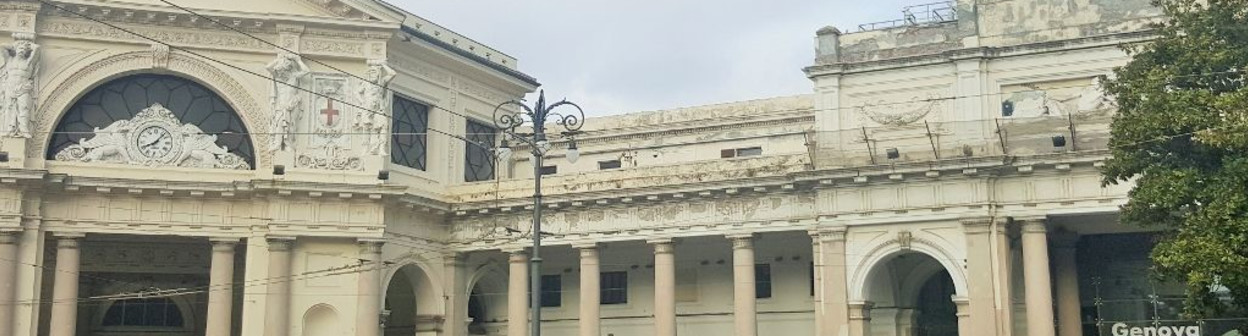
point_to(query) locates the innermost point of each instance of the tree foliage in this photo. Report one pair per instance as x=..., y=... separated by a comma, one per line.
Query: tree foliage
x=1181, y=134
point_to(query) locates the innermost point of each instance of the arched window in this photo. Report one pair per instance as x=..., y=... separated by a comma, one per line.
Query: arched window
x=154, y=312
x=123, y=98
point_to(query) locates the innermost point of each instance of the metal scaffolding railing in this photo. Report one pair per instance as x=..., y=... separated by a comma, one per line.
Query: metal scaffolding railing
x=935, y=12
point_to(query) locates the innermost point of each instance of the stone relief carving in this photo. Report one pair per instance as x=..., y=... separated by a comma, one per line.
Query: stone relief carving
x=17, y=85
x=373, y=96
x=288, y=71
x=169, y=35
x=160, y=56
x=890, y=114
x=154, y=137
x=1039, y=100
x=330, y=139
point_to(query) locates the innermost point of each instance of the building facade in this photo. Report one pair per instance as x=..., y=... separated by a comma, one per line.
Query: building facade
x=326, y=167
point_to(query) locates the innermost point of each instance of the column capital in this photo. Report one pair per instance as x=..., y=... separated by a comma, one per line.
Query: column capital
x=662, y=245
x=586, y=245
x=1033, y=224
x=829, y=234
x=860, y=310
x=69, y=235
x=370, y=245
x=223, y=240
x=518, y=257
x=973, y=225
x=963, y=305
x=280, y=243
x=69, y=241
x=8, y=237
x=223, y=244
x=742, y=241
x=513, y=249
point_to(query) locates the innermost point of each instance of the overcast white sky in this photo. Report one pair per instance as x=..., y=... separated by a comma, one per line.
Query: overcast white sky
x=624, y=56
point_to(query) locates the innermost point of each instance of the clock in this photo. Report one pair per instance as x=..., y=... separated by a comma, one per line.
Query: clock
x=154, y=142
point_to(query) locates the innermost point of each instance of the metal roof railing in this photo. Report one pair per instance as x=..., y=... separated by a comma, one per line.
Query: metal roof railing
x=935, y=12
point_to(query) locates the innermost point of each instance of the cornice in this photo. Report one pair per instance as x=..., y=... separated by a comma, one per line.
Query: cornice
x=804, y=181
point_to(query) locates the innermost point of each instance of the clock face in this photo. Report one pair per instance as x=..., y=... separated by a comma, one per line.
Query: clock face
x=154, y=142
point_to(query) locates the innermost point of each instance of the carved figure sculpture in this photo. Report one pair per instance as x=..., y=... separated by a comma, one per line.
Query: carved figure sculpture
x=372, y=96
x=17, y=85
x=154, y=137
x=287, y=70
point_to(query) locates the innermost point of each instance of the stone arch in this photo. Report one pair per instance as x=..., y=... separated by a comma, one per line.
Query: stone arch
x=74, y=84
x=321, y=320
x=486, y=301
x=410, y=296
x=885, y=251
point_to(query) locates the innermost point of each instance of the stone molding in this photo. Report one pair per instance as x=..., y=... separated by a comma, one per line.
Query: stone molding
x=280, y=244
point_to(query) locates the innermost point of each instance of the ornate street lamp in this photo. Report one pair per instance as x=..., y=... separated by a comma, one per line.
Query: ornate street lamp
x=537, y=116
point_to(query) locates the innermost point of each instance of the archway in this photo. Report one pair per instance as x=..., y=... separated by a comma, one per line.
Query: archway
x=911, y=295
x=127, y=100
x=410, y=302
x=321, y=320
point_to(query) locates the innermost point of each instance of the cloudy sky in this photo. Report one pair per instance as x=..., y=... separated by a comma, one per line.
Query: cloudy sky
x=625, y=56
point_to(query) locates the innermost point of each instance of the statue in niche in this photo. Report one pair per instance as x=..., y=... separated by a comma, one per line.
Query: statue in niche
x=17, y=85
x=287, y=70
x=372, y=95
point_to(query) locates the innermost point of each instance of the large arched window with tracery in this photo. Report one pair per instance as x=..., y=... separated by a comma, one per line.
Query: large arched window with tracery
x=122, y=99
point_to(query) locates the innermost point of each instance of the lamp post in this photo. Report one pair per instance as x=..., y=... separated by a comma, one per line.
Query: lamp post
x=537, y=116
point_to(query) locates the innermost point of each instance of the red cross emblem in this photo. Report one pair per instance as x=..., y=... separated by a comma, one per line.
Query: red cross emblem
x=330, y=113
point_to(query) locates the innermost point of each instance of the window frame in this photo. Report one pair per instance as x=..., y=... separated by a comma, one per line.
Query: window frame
x=610, y=165
x=762, y=281
x=617, y=295
x=552, y=296
x=399, y=152
x=487, y=168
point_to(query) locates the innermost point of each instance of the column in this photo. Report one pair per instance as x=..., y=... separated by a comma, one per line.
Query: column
x=590, y=291
x=277, y=306
x=221, y=294
x=1039, y=293
x=963, y=305
x=65, y=288
x=457, y=294
x=744, y=301
x=517, y=294
x=368, y=287
x=664, y=287
x=8, y=280
x=1069, y=316
x=981, y=271
x=830, y=283
x=859, y=318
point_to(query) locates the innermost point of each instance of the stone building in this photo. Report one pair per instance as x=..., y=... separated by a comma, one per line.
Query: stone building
x=226, y=171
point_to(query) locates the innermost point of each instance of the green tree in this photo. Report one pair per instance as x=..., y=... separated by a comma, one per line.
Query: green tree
x=1181, y=134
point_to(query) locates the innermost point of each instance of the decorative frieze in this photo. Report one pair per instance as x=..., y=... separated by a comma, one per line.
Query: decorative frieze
x=154, y=137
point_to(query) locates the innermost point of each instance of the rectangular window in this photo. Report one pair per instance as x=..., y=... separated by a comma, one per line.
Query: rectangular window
x=611, y=164
x=550, y=170
x=752, y=151
x=762, y=281
x=552, y=290
x=409, y=138
x=479, y=152
x=740, y=152
x=614, y=288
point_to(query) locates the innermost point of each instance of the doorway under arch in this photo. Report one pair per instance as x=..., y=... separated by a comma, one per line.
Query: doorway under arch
x=912, y=295
x=409, y=296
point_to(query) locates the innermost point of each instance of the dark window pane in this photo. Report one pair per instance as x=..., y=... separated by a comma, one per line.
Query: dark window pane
x=752, y=151
x=762, y=281
x=478, y=155
x=550, y=170
x=614, y=287
x=158, y=312
x=409, y=138
x=612, y=164
x=727, y=153
x=552, y=290
x=122, y=98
